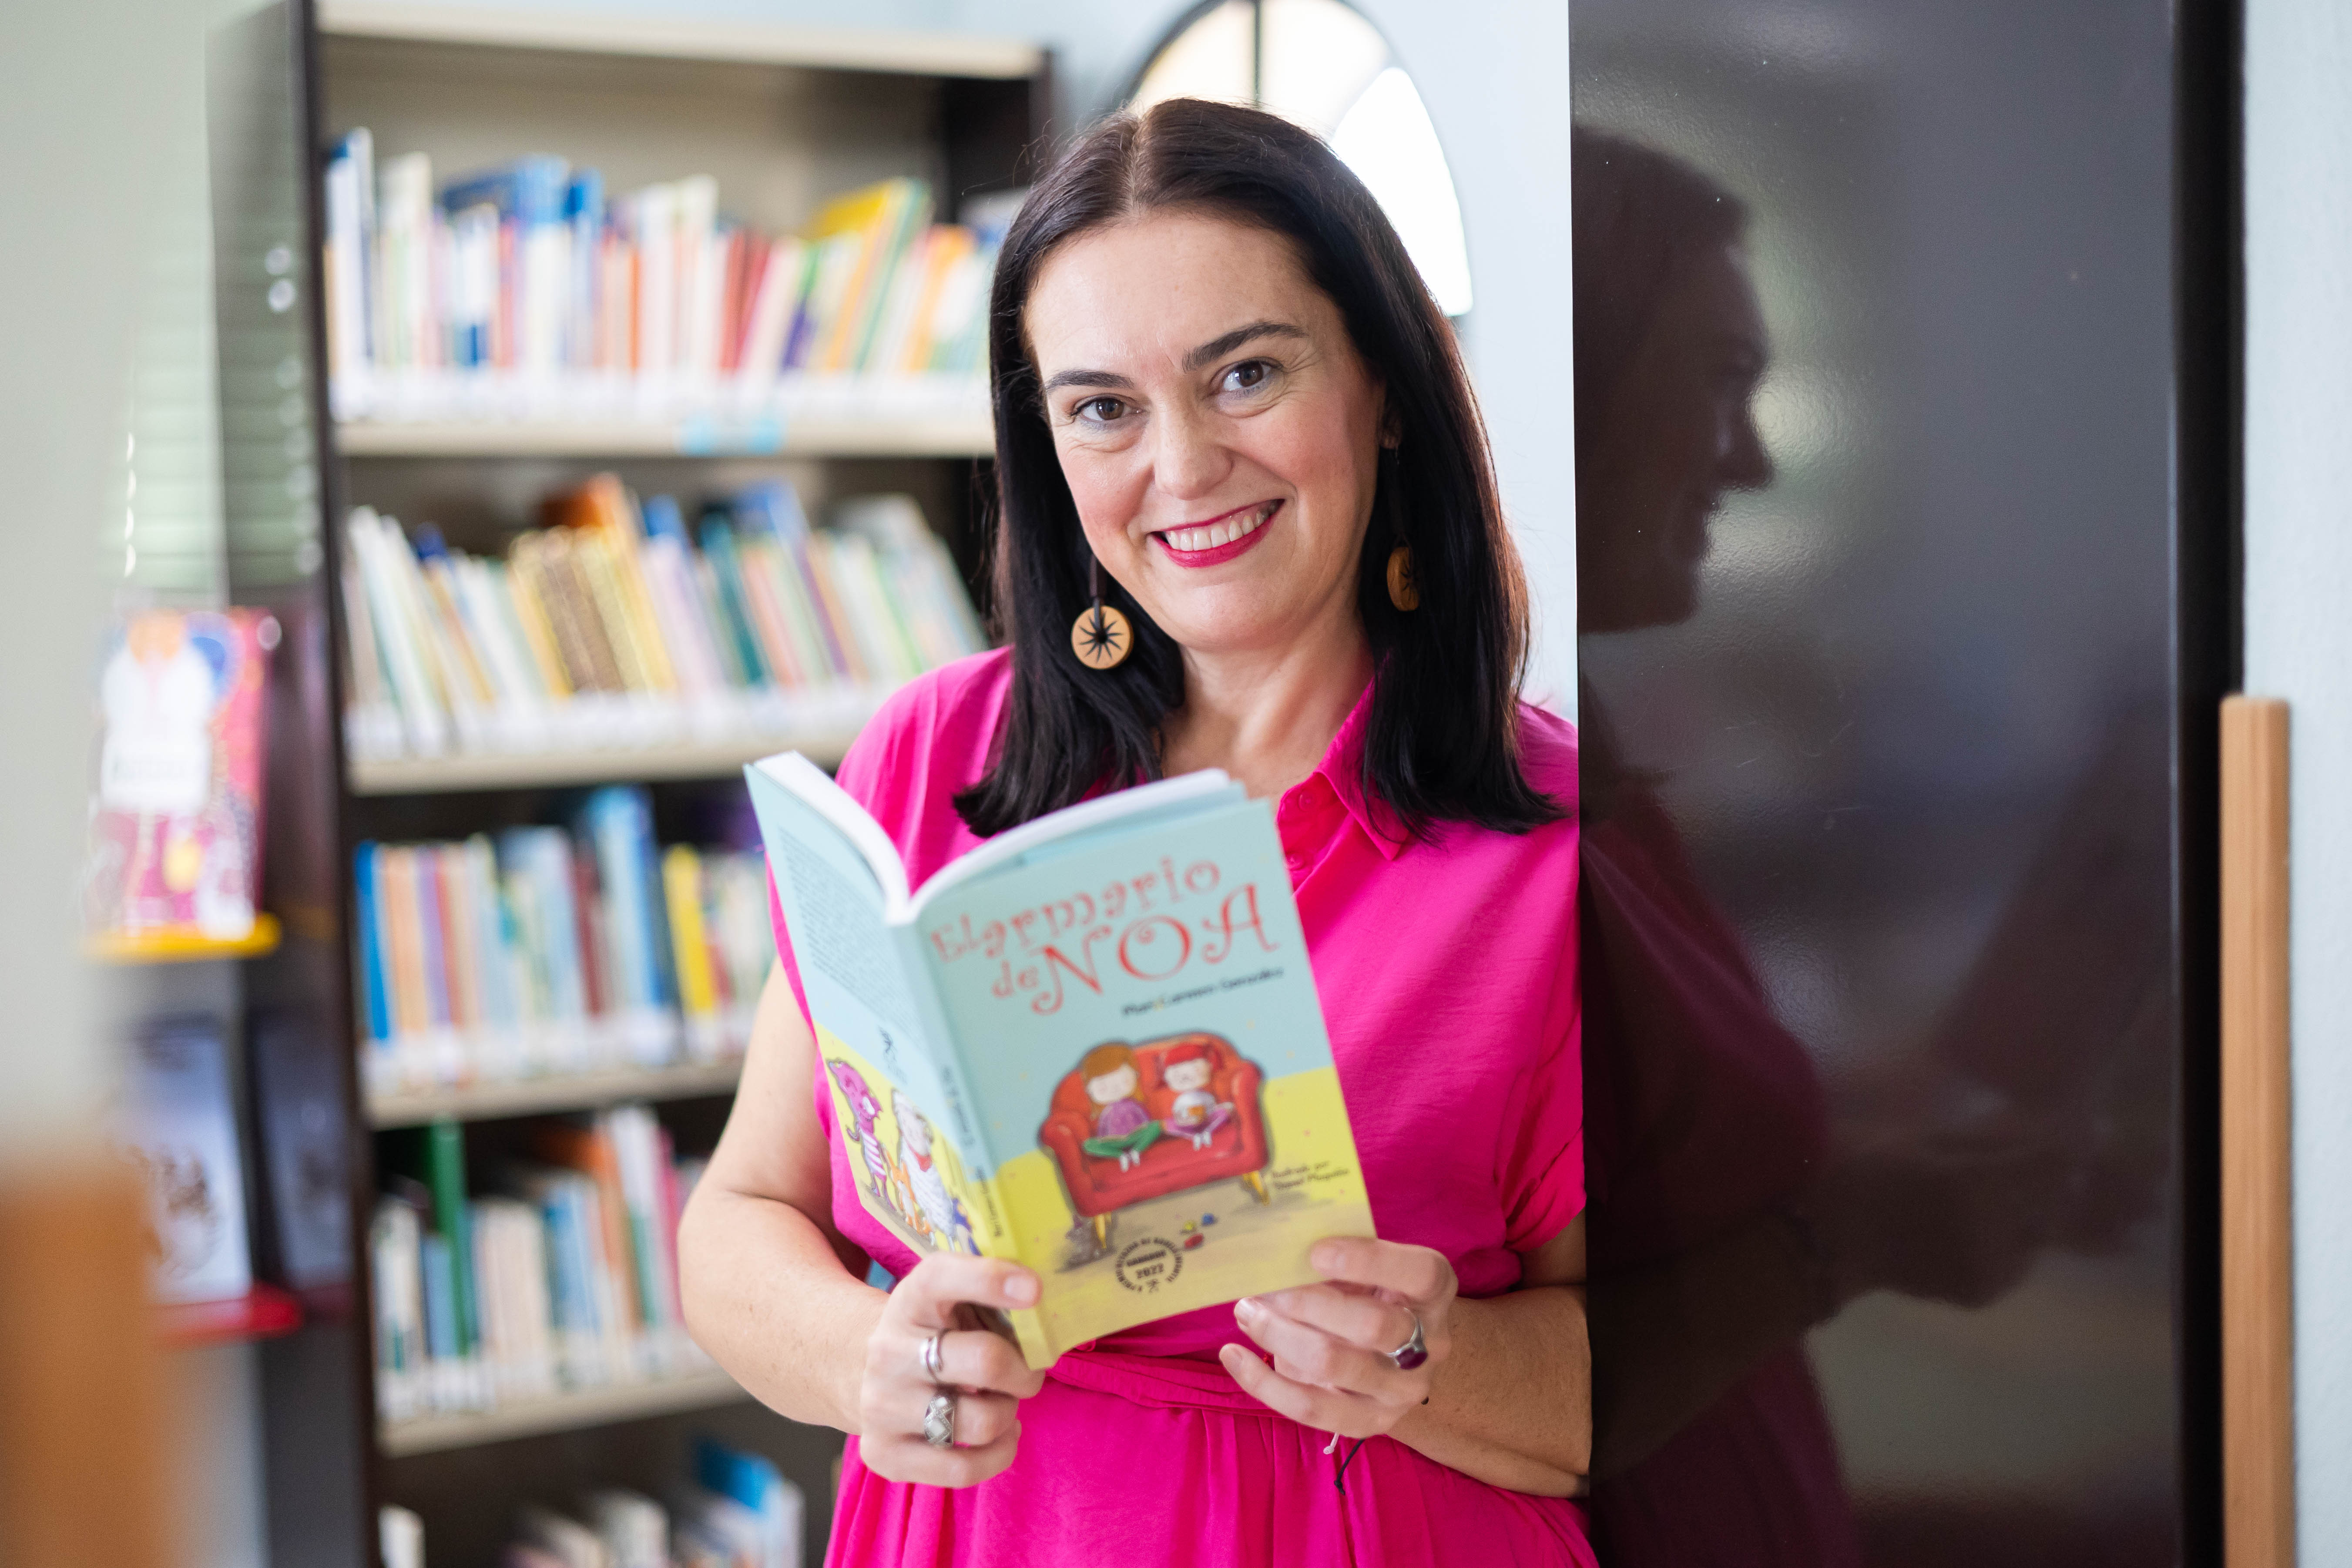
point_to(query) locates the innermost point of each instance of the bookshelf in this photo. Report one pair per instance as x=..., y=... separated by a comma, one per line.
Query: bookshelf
x=782, y=117
x=576, y=1411
x=556, y=770
x=552, y=1093
x=955, y=434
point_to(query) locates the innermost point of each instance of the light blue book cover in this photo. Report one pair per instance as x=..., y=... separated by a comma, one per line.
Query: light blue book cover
x=1093, y=1043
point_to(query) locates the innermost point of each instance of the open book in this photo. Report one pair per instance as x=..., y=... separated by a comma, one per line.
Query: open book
x=1092, y=1044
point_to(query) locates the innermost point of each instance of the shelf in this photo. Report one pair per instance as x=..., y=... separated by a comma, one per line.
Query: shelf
x=906, y=52
x=182, y=946
x=528, y=769
x=263, y=1313
x=566, y=1091
x=564, y=1412
x=949, y=435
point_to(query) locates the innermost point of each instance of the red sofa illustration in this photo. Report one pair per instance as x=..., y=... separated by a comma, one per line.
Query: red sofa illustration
x=1099, y=1186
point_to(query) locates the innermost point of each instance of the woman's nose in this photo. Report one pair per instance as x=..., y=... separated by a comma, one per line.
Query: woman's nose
x=1745, y=464
x=1190, y=461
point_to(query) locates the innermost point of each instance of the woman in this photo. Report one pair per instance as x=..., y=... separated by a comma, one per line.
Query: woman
x=1227, y=405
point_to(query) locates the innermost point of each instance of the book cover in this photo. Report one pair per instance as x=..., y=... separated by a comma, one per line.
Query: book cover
x=1092, y=1044
x=178, y=1126
x=175, y=827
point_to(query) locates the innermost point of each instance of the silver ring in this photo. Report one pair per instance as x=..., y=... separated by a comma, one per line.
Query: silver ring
x=932, y=1357
x=939, y=1421
x=1414, y=1350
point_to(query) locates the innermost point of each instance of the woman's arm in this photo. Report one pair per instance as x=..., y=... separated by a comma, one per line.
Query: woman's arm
x=1506, y=1395
x=769, y=1290
x=766, y=1279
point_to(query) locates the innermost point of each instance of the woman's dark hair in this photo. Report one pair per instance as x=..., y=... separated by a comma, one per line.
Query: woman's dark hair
x=1441, y=742
x=1638, y=216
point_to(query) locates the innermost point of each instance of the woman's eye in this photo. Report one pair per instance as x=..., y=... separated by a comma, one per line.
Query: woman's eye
x=1248, y=376
x=1099, y=410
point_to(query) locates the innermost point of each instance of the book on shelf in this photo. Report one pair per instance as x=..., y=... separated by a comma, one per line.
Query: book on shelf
x=739, y=1511
x=547, y=950
x=177, y=1125
x=563, y=1276
x=525, y=290
x=175, y=823
x=610, y=627
x=1092, y=1044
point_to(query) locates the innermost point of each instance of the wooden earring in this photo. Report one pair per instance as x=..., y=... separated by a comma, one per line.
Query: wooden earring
x=1404, y=592
x=1100, y=636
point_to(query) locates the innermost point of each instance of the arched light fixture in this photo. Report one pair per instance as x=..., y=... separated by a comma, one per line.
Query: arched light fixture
x=1319, y=64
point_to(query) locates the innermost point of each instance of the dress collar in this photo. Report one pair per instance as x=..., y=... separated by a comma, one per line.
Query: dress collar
x=1342, y=770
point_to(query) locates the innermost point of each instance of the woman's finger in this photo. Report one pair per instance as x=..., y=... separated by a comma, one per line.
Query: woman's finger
x=1310, y=1355
x=912, y=1460
x=1327, y=1410
x=1416, y=1273
x=982, y=1420
x=1366, y=1320
x=926, y=1299
x=976, y=1358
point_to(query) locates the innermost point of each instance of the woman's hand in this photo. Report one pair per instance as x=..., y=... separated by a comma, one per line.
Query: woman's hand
x=982, y=1370
x=1331, y=1343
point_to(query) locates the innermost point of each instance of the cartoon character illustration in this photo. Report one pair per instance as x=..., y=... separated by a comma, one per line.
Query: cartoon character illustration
x=942, y=1217
x=1195, y=1113
x=1123, y=1129
x=868, y=1112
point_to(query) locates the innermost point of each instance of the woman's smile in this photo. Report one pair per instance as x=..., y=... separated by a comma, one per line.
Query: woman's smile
x=1221, y=538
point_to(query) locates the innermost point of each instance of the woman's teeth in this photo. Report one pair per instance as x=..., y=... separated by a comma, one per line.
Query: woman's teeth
x=1210, y=535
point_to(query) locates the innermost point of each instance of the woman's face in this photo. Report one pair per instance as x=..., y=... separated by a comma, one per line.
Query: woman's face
x=1677, y=435
x=1218, y=434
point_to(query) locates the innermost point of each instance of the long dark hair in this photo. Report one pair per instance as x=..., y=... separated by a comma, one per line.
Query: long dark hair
x=1441, y=742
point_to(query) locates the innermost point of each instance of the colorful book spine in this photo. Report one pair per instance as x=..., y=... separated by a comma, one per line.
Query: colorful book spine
x=550, y=951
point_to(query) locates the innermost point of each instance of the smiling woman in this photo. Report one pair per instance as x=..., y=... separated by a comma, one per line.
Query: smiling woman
x=1228, y=409
x=1208, y=343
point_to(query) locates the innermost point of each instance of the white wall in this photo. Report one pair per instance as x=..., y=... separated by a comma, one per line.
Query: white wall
x=2299, y=646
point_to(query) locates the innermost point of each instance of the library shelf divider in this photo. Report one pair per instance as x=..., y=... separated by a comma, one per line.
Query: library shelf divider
x=571, y=1411
x=551, y=1092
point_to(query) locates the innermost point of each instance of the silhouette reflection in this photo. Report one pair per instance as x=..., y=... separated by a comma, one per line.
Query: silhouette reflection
x=1744, y=1188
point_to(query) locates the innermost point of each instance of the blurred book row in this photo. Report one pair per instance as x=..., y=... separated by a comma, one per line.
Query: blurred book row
x=548, y=950
x=610, y=628
x=736, y=1510
x=565, y=1277
x=526, y=291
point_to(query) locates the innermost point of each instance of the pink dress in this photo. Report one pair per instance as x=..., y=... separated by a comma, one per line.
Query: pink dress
x=1448, y=977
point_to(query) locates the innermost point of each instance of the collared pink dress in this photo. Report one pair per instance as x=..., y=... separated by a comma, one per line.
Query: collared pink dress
x=1449, y=983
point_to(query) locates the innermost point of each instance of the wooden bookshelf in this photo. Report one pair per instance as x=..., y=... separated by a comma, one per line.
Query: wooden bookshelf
x=184, y=947
x=552, y=1093
x=782, y=117
x=894, y=51
x=568, y=1412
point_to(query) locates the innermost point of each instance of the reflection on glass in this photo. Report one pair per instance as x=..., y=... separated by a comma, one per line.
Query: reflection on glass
x=1805, y=1162
x=1319, y=64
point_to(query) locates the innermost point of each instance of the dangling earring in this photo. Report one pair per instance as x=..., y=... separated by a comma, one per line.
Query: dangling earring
x=1100, y=636
x=1404, y=591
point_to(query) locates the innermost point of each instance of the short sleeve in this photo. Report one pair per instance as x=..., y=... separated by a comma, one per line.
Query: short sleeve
x=1542, y=1177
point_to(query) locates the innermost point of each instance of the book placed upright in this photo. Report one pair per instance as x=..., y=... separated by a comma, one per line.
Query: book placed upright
x=1092, y=1044
x=175, y=830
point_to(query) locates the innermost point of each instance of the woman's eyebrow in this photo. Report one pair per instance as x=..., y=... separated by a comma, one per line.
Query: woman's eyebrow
x=1215, y=348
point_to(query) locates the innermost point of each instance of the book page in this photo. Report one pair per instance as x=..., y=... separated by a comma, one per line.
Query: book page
x=858, y=995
